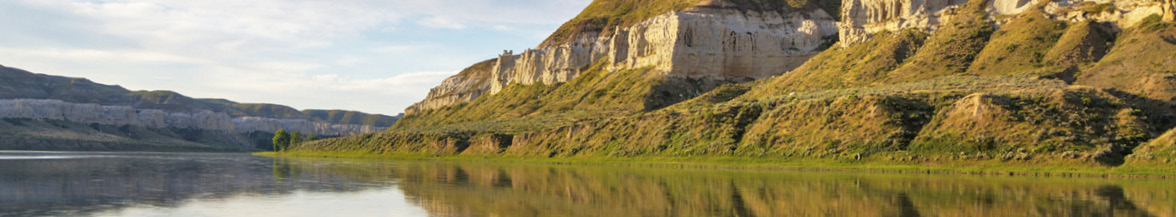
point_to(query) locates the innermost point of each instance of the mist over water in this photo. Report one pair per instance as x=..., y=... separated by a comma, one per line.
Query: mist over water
x=229, y=184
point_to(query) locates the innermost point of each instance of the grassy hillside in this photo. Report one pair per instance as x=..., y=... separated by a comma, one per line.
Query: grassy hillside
x=595, y=93
x=1020, y=46
x=1037, y=93
x=1142, y=62
x=863, y=64
x=952, y=49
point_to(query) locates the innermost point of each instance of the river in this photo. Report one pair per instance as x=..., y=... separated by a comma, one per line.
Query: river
x=236, y=184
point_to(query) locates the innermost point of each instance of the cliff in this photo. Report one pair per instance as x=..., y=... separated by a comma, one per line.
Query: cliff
x=706, y=39
x=466, y=86
x=112, y=115
x=747, y=39
x=1074, y=84
x=44, y=112
x=20, y=84
x=154, y=118
x=863, y=18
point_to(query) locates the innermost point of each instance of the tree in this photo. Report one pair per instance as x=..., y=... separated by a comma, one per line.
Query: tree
x=281, y=139
x=295, y=138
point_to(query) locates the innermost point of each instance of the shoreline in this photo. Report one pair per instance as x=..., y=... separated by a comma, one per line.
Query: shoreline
x=956, y=167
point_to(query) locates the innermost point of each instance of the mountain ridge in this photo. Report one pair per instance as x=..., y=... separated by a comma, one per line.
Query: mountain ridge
x=21, y=84
x=44, y=112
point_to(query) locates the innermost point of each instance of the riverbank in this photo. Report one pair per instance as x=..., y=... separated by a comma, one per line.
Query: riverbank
x=961, y=167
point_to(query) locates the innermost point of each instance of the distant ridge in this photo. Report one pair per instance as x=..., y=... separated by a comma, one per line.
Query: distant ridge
x=20, y=84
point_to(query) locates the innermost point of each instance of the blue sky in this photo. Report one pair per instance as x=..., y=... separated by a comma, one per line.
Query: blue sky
x=376, y=56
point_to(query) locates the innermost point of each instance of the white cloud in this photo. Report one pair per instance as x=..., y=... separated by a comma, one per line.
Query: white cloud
x=399, y=49
x=345, y=54
x=141, y=56
x=441, y=23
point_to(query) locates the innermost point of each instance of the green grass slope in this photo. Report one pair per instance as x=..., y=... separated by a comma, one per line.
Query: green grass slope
x=1020, y=46
x=1142, y=62
x=952, y=49
x=1160, y=151
x=1083, y=43
x=859, y=65
x=596, y=92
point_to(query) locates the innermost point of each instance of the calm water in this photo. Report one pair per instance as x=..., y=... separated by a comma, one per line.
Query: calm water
x=184, y=184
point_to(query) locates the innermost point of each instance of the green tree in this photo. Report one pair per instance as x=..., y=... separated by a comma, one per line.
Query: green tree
x=281, y=139
x=296, y=138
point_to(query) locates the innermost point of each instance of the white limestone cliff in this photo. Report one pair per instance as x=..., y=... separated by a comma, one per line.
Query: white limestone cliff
x=863, y=18
x=251, y=124
x=728, y=43
x=463, y=87
x=112, y=115
x=722, y=43
x=1169, y=8
x=715, y=43
x=547, y=65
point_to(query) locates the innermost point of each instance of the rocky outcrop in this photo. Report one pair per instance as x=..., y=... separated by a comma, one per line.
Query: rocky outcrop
x=152, y=118
x=701, y=42
x=713, y=41
x=1120, y=13
x=466, y=86
x=112, y=115
x=863, y=18
x=1169, y=8
x=251, y=124
x=723, y=43
x=547, y=65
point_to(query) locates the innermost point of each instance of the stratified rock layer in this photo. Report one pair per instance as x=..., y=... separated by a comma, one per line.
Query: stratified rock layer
x=702, y=42
x=153, y=118
x=863, y=18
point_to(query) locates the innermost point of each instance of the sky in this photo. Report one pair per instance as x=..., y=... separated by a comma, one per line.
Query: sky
x=375, y=56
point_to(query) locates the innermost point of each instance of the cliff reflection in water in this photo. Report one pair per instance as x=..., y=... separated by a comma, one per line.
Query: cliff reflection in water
x=85, y=186
x=472, y=190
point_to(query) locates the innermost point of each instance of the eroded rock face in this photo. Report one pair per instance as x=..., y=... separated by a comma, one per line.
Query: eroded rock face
x=727, y=43
x=705, y=42
x=463, y=87
x=251, y=124
x=722, y=43
x=1169, y=8
x=862, y=18
x=152, y=118
x=112, y=115
x=546, y=65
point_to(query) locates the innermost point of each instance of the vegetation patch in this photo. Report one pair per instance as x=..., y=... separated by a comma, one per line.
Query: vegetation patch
x=952, y=49
x=1020, y=45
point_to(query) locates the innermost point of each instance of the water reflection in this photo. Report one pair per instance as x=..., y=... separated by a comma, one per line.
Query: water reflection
x=479, y=190
x=79, y=184
x=230, y=184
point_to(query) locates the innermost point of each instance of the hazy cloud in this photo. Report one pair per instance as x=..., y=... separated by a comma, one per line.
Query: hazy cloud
x=369, y=55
